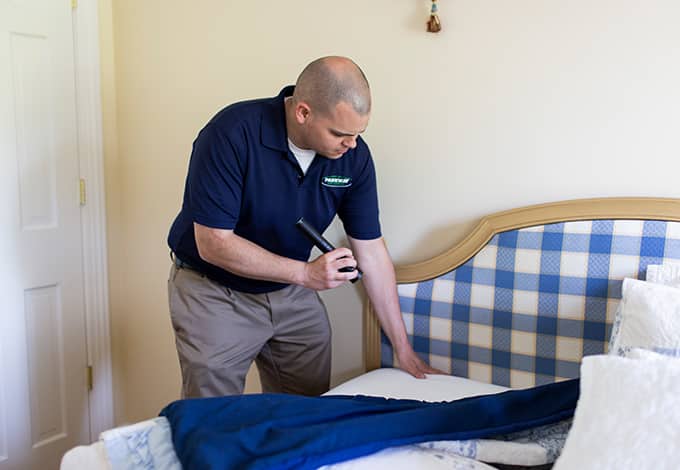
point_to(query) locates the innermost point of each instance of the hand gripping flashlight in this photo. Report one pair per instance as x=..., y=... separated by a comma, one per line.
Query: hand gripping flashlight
x=324, y=245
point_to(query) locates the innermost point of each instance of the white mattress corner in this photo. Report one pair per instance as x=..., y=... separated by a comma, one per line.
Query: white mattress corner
x=395, y=383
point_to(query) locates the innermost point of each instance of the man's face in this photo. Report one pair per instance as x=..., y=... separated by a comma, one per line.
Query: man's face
x=333, y=134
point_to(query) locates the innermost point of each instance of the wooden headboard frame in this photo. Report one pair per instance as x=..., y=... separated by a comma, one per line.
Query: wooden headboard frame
x=574, y=210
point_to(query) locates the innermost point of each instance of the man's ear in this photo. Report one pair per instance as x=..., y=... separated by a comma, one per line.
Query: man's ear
x=302, y=112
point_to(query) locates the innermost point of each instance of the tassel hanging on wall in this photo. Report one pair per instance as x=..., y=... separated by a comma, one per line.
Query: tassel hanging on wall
x=434, y=25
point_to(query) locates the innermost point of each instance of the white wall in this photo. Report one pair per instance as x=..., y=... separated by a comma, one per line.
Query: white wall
x=513, y=103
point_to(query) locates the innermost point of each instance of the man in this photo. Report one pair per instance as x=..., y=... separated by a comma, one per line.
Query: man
x=241, y=287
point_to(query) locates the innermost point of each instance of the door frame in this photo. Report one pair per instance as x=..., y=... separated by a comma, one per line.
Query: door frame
x=93, y=213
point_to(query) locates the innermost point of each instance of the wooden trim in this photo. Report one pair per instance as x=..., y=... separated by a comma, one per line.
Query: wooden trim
x=581, y=209
x=371, y=338
x=93, y=221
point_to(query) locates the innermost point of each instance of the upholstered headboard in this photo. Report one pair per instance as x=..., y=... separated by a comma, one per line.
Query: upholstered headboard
x=530, y=291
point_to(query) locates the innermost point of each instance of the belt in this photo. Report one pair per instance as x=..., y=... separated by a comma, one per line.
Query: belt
x=181, y=264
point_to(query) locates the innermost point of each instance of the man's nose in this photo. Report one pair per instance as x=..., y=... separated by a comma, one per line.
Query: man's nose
x=350, y=142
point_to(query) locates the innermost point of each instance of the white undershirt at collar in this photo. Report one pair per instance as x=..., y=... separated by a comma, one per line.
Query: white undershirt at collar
x=303, y=156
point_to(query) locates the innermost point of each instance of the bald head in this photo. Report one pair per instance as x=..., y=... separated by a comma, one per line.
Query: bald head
x=329, y=80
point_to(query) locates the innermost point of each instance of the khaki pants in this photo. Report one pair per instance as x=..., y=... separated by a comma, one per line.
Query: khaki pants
x=219, y=332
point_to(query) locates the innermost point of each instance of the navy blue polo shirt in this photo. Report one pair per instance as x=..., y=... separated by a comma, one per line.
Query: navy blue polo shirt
x=243, y=177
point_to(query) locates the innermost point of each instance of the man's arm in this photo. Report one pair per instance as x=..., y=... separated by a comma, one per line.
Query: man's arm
x=235, y=254
x=381, y=286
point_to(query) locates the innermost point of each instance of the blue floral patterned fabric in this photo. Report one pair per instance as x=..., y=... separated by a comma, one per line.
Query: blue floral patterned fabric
x=141, y=446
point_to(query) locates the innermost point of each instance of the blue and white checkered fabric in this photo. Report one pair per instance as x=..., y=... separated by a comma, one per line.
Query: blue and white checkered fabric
x=527, y=307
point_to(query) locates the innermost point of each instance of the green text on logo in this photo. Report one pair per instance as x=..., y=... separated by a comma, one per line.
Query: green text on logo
x=337, y=181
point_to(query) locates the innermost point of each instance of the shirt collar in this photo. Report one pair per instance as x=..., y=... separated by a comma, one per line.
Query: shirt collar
x=273, y=131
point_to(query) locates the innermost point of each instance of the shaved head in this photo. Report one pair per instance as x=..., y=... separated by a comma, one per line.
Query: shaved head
x=330, y=80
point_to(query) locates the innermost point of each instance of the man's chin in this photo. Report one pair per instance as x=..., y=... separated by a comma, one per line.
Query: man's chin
x=336, y=154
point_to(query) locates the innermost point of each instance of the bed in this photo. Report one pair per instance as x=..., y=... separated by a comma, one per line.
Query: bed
x=523, y=308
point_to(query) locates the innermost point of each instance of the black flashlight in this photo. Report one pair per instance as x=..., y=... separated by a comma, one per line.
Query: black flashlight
x=324, y=245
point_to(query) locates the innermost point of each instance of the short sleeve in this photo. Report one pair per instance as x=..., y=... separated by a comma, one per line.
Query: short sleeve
x=359, y=207
x=215, y=180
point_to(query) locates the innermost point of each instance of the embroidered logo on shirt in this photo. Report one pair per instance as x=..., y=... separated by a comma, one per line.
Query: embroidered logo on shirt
x=335, y=181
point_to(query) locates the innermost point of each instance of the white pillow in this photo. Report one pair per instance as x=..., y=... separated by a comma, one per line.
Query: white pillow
x=649, y=317
x=616, y=328
x=627, y=416
x=656, y=353
x=667, y=274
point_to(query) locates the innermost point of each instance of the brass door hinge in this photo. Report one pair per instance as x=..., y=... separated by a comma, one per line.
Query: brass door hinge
x=90, y=378
x=83, y=195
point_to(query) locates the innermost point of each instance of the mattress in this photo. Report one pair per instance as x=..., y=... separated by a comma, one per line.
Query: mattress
x=395, y=383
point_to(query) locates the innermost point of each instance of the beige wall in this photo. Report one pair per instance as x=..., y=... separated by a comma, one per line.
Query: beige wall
x=514, y=103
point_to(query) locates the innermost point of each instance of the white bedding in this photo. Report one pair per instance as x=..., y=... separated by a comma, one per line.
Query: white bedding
x=86, y=457
x=106, y=453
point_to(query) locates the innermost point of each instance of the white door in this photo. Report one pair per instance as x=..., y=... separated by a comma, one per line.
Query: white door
x=44, y=407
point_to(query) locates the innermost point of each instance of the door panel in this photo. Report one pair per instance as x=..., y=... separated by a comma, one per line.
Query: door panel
x=44, y=408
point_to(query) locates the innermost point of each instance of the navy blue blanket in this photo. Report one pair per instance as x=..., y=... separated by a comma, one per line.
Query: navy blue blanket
x=277, y=431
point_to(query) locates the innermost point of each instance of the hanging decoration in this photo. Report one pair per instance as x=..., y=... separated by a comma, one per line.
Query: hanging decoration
x=434, y=25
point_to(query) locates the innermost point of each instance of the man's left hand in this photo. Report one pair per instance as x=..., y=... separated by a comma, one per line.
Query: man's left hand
x=411, y=363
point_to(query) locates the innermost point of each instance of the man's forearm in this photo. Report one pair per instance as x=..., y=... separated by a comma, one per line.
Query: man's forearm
x=244, y=258
x=380, y=283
